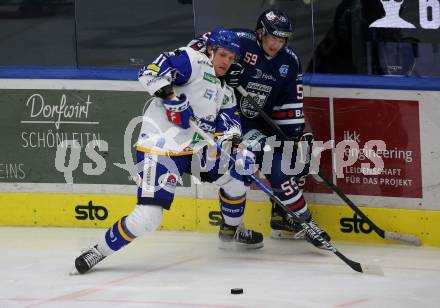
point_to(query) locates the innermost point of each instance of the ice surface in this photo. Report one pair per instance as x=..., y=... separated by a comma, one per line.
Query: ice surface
x=186, y=269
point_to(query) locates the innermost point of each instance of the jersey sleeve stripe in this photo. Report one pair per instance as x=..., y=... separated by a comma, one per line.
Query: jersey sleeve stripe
x=290, y=121
x=153, y=67
x=288, y=106
x=285, y=115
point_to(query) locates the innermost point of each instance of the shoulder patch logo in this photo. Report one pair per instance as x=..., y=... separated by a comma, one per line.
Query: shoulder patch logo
x=209, y=94
x=196, y=138
x=225, y=100
x=284, y=69
x=209, y=77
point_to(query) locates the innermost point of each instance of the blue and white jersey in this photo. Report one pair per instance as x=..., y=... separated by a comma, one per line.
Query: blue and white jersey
x=275, y=83
x=213, y=102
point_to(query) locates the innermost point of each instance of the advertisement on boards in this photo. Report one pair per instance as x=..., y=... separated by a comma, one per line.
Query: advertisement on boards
x=384, y=130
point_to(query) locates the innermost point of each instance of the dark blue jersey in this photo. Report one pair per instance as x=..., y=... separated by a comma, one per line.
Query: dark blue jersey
x=275, y=83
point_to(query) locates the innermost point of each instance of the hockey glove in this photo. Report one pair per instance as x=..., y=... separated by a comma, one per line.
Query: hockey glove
x=226, y=148
x=229, y=143
x=233, y=75
x=179, y=112
x=244, y=165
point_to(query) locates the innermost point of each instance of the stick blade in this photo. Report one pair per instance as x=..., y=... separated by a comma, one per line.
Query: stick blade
x=404, y=238
x=372, y=269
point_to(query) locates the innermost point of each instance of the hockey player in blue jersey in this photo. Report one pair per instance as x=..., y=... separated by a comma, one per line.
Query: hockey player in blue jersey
x=271, y=73
x=187, y=85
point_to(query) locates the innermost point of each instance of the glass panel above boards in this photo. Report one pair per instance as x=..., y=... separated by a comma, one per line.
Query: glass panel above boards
x=37, y=33
x=377, y=37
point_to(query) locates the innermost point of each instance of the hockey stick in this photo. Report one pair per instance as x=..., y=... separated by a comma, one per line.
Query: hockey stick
x=388, y=235
x=358, y=267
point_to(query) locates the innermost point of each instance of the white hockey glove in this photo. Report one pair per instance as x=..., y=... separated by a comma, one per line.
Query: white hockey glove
x=244, y=165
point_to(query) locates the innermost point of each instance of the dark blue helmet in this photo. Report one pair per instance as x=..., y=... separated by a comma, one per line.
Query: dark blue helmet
x=275, y=22
x=226, y=39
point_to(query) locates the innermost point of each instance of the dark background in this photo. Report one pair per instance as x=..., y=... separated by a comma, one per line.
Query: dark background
x=330, y=36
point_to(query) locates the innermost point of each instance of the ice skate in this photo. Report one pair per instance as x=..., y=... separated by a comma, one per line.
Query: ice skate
x=311, y=236
x=283, y=228
x=239, y=237
x=88, y=259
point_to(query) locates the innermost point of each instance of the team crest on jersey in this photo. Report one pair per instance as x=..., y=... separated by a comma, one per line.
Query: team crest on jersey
x=168, y=182
x=283, y=70
x=259, y=93
x=258, y=73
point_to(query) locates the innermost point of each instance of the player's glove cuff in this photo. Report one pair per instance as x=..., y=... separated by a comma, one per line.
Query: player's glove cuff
x=179, y=112
x=233, y=75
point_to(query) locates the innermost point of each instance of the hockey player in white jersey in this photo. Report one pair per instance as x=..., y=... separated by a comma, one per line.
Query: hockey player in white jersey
x=271, y=72
x=187, y=86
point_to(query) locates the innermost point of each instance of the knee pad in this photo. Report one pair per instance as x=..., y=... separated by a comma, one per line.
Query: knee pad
x=143, y=219
x=233, y=188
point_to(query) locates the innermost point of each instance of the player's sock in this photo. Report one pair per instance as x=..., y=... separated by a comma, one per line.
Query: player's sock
x=232, y=232
x=143, y=219
x=116, y=237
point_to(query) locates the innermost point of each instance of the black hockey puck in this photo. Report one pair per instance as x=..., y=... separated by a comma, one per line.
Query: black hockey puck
x=237, y=291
